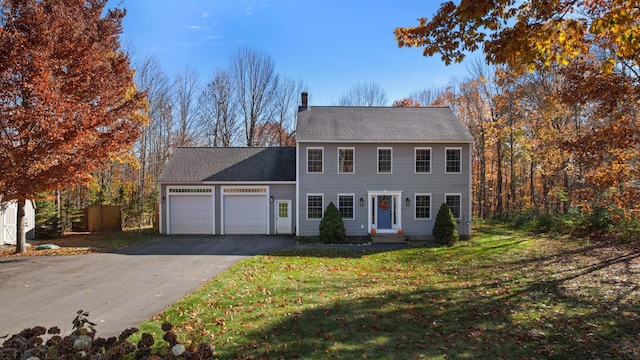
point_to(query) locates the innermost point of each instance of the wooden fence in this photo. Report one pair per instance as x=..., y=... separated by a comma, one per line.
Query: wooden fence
x=98, y=218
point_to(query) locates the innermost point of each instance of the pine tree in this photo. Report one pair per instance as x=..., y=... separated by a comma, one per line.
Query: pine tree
x=331, y=226
x=444, y=230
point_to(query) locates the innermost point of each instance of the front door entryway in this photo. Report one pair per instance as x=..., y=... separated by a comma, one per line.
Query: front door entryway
x=283, y=216
x=384, y=212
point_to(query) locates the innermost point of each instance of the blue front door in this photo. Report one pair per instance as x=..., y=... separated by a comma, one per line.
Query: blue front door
x=385, y=211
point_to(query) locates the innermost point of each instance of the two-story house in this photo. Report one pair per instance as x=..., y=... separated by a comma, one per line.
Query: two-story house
x=385, y=169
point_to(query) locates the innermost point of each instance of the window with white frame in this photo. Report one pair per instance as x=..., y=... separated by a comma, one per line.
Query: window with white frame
x=423, y=160
x=454, y=202
x=346, y=160
x=453, y=158
x=385, y=156
x=423, y=206
x=346, y=206
x=314, y=206
x=314, y=160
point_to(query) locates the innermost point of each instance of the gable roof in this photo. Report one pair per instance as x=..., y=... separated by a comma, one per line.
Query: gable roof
x=379, y=124
x=230, y=164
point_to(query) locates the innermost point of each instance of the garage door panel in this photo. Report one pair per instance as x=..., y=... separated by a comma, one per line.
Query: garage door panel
x=191, y=214
x=245, y=214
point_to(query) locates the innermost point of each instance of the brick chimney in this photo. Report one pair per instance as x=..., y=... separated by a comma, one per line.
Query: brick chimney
x=305, y=102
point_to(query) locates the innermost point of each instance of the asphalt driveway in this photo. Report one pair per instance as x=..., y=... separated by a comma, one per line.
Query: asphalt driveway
x=117, y=289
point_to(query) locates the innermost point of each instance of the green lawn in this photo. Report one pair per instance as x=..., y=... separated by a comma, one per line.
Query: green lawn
x=502, y=294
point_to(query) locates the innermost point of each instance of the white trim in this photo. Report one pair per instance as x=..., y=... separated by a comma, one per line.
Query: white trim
x=387, y=141
x=307, y=160
x=445, y=160
x=163, y=203
x=211, y=193
x=415, y=159
x=353, y=204
x=306, y=210
x=338, y=160
x=415, y=204
x=378, y=160
x=297, y=210
x=230, y=183
x=469, y=194
x=454, y=194
x=260, y=190
x=372, y=204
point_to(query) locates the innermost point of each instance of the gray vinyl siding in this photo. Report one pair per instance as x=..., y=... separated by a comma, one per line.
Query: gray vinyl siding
x=403, y=178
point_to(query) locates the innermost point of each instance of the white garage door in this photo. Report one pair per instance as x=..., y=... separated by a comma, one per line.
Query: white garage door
x=191, y=214
x=245, y=214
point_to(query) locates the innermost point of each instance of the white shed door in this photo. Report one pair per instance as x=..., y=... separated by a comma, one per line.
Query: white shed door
x=191, y=214
x=9, y=222
x=245, y=214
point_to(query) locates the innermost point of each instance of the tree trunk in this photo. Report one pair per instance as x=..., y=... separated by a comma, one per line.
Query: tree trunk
x=21, y=238
x=499, y=192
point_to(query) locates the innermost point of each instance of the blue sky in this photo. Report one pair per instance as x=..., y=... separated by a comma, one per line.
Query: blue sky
x=330, y=45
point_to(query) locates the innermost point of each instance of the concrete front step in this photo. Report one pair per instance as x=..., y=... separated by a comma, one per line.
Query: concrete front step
x=388, y=238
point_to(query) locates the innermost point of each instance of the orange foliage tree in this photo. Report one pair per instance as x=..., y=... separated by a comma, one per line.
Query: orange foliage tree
x=68, y=102
x=582, y=126
x=406, y=102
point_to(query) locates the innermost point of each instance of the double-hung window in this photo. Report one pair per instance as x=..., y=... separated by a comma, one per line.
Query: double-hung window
x=423, y=206
x=314, y=206
x=454, y=202
x=314, y=160
x=346, y=206
x=453, y=159
x=346, y=160
x=423, y=160
x=385, y=156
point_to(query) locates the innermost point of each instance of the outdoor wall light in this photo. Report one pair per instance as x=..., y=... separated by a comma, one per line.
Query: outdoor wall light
x=406, y=201
x=361, y=202
x=163, y=199
x=271, y=198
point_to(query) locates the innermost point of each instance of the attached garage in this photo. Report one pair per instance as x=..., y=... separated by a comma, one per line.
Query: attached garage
x=245, y=210
x=191, y=211
x=224, y=190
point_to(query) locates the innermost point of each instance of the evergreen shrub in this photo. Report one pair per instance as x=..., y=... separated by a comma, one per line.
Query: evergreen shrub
x=445, y=229
x=331, y=226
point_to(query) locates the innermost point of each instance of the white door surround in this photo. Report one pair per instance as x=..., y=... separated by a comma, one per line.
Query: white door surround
x=395, y=204
x=190, y=210
x=244, y=210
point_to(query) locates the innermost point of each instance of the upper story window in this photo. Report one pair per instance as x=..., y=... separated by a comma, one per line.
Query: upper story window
x=346, y=160
x=423, y=160
x=385, y=156
x=454, y=202
x=453, y=163
x=314, y=160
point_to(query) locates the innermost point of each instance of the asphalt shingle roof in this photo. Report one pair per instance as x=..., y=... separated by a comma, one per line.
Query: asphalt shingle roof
x=230, y=164
x=405, y=124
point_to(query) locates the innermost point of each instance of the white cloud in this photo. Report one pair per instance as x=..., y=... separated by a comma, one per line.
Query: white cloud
x=193, y=27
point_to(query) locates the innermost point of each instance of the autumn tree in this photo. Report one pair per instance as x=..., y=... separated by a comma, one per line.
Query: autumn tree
x=593, y=48
x=406, y=102
x=68, y=100
x=426, y=96
x=364, y=94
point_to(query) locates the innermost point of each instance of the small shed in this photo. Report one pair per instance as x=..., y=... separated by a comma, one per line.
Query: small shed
x=9, y=222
